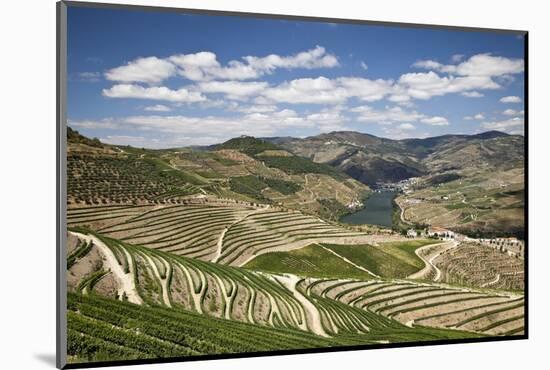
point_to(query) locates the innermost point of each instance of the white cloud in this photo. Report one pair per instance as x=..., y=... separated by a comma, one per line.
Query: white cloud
x=194, y=66
x=465, y=78
x=256, y=108
x=314, y=58
x=435, y=121
x=434, y=65
x=391, y=115
x=479, y=116
x=510, y=99
x=215, y=128
x=512, y=112
x=106, y=123
x=150, y=70
x=457, y=58
x=472, y=94
x=406, y=126
x=204, y=66
x=322, y=90
x=387, y=115
x=123, y=140
x=482, y=65
x=318, y=90
x=234, y=90
x=89, y=76
x=170, y=141
x=364, y=66
x=153, y=93
x=158, y=108
x=425, y=85
x=489, y=65
x=365, y=89
x=510, y=125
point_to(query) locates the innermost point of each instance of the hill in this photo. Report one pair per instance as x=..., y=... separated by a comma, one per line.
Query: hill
x=244, y=168
x=371, y=160
x=469, y=183
x=136, y=302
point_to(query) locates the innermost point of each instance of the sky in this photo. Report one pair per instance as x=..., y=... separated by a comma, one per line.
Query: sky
x=160, y=80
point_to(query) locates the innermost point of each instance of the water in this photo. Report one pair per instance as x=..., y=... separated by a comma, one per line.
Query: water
x=378, y=211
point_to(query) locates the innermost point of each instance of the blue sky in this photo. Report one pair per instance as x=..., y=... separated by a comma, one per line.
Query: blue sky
x=157, y=80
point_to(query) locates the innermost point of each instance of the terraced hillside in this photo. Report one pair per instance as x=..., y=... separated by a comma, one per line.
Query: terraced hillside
x=244, y=169
x=237, y=248
x=485, y=203
x=428, y=304
x=475, y=265
x=125, y=178
x=473, y=184
x=325, y=307
x=227, y=232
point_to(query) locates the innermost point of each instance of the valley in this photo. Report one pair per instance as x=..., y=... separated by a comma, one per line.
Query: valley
x=244, y=247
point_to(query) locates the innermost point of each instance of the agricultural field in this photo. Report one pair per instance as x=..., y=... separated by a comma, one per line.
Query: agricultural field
x=102, y=175
x=224, y=232
x=184, y=295
x=389, y=259
x=185, y=252
x=487, y=204
x=475, y=265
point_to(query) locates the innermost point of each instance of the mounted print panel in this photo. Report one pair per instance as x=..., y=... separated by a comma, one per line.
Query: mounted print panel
x=238, y=184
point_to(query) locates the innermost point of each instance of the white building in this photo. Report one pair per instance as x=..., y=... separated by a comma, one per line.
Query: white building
x=441, y=233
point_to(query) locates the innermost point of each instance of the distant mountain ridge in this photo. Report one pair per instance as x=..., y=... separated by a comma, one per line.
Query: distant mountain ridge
x=371, y=159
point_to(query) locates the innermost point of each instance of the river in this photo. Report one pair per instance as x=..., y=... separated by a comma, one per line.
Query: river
x=378, y=211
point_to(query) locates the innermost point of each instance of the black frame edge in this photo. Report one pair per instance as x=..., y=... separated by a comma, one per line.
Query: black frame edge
x=61, y=101
x=291, y=352
x=200, y=11
x=526, y=182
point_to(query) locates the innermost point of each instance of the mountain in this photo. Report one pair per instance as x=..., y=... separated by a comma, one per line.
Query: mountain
x=371, y=159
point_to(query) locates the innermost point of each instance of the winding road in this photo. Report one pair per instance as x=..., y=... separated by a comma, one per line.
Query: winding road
x=428, y=260
x=125, y=281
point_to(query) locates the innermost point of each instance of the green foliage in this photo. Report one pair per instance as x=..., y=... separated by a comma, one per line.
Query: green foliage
x=282, y=186
x=81, y=251
x=443, y=178
x=94, y=179
x=87, y=284
x=332, y=209
x=123, y=330
x=392, y=260
x=74, y=136
x=248, y=145
x=248, y=185
x=313, y=261
x=298, y=165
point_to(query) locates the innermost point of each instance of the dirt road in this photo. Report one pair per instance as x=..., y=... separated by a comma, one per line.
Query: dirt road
x=125, y=281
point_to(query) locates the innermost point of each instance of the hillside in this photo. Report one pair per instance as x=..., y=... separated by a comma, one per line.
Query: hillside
x=244, y=169
x=242, y=240
x=181, y=294
x=370, y=159
x=458, y=178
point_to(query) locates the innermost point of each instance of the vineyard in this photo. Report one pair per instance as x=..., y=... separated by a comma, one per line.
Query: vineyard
x=103, y=179
x=482, y=266
x=366, y=310
x=238, y=248
x=228, y=233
